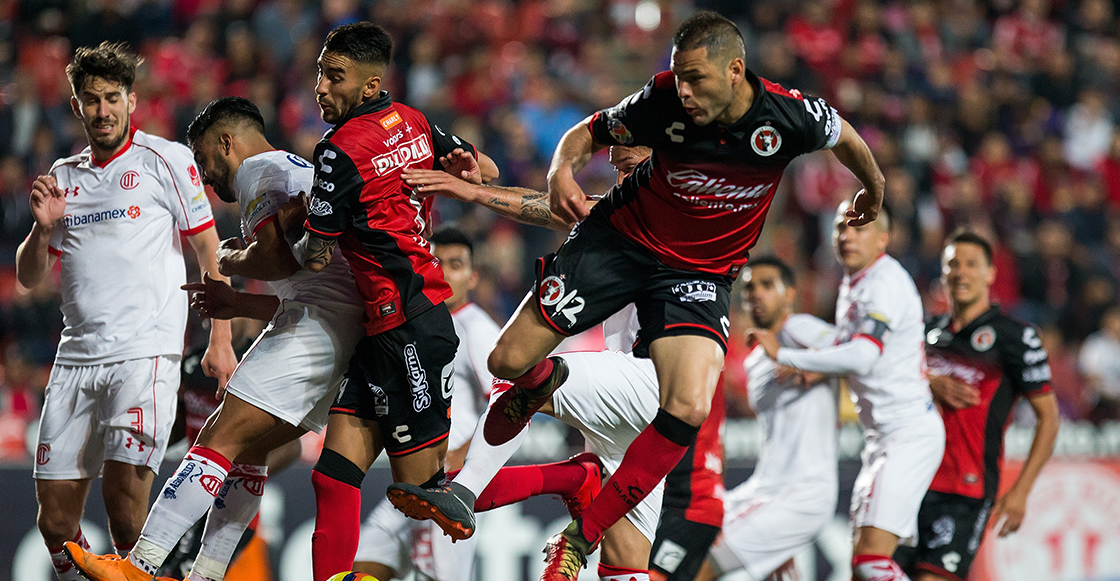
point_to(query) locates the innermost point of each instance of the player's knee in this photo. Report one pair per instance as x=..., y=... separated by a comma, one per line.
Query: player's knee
x=505, y=363
x=56, y=526
x=690, y=412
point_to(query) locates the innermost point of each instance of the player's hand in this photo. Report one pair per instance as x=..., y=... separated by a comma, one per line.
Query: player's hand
x=463, y=165
x=766, y=340
x=214, y=299
x=565, y=198
x=1007, y=514
x=228, y=253
x=953, y=393
x=428, y=182
x=48, y=201
x=786, y=374
x=293, y=214
x=865, y=208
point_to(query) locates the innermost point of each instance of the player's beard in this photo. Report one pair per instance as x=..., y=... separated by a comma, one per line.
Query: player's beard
x=221, y=185
x=111, y=142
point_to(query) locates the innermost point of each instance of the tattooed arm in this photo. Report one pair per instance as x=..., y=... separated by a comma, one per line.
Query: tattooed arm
x=314, y=252
x=518, y=204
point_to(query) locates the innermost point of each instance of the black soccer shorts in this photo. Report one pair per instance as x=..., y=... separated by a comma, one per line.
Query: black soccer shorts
x=402, y=379
x=950, y=528
x=598, y=271
x=680, y=547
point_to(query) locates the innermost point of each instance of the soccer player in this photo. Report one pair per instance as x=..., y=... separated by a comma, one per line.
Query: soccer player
x=994, y=360
x=670, y=239
x=791, y=496
x=112, y=216
x=880, y=333
x=398, y=390
x=389, y=539
x=287, y=380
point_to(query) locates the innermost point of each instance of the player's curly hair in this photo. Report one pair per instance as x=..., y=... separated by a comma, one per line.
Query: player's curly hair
x=362, y=42
x=707, y=29
x=225, y=111
x=110, y=61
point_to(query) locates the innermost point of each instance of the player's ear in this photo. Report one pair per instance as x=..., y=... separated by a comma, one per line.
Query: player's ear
x=736, y=69
x=227, y=142
x=131, y=101
x=75, y=107
x=372, y=87
x=473, y=281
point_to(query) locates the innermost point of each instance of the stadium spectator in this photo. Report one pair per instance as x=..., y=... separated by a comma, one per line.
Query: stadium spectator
x=1100, y=363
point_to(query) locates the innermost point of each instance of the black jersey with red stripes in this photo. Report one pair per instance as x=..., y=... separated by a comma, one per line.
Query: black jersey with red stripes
x=1001, y=357
x=694, y=488
x=359, y=197
x=698, y=203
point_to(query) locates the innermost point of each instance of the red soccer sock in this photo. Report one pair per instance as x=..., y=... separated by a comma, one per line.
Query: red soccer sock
x=338, y=514
x=612, y=573
x=876, y=568
x=533, y=378
x=648, y=459
x=516, y=483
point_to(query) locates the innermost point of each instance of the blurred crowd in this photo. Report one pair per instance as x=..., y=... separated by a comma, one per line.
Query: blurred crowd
x=998, y=115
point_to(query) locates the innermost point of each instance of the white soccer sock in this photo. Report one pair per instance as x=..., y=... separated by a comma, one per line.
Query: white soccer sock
x=484, y=460
x=876, y=568
x=186, y=496
x=612, y=573
x=234, y=508
x=61, y=563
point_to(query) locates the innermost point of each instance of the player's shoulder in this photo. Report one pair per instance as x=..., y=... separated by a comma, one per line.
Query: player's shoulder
x=1002, y=322
x=162, y=147
x=938, y=322
x=71, y=161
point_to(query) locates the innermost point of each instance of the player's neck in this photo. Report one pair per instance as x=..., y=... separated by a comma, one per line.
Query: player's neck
x=103, y=156
x=250, y=146
x=965, y=314
x=779, y=323
x=740, y=103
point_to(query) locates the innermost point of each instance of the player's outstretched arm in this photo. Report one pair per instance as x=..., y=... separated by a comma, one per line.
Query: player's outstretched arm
x=852, y=151
x=1008, y=511
x=219, y=361
x=33, y=259
x=566, y=198
x=215, y=299
x=268, y=257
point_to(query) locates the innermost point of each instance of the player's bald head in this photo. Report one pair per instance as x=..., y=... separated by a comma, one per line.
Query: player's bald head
x=707, y=29
x=226, y=114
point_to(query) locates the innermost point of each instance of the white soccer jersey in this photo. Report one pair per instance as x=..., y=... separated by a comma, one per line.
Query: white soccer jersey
x=265, y=182
x=119, y=247
x=798, y=424
x=882, y=304
x=477, y=334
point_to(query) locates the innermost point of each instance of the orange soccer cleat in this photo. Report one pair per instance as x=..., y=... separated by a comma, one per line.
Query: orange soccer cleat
x=106, y=567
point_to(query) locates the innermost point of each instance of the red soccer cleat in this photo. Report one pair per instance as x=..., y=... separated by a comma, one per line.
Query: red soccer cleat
x=578, y=501
x=106, y=567
x=513, y=409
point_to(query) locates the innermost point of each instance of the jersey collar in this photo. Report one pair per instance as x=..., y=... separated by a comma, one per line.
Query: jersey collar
x=852, y=280
x=127, y=144
x=984, y=317
x=380, y=103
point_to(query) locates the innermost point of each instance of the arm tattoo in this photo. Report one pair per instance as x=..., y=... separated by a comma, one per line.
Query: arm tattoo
x=313, y=252
x=534, y=208
x=497, y=202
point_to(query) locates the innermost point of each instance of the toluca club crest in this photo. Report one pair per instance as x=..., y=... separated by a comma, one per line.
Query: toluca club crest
x=766, y=140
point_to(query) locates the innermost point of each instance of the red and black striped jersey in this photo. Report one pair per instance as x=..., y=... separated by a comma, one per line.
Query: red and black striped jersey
x=358, y=196
x=698, y=203
x=1004, y=359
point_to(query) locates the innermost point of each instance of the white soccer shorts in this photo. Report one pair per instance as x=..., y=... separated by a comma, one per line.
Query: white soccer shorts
x=119, y=411
x=899, y=463
x=762, y=530
x=295, y=366
x=610, y=398
x=405, y=545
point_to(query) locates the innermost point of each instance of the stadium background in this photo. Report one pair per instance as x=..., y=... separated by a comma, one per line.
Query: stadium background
x=997, y=115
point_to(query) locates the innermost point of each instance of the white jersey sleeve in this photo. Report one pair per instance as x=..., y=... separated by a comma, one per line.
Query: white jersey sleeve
x=261, y=203
x=182, y=181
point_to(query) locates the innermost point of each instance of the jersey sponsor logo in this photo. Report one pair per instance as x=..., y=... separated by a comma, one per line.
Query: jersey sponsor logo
x=298, y=161
x=387, y=309
x=696, y=291
x=394, y=138
x=618, y=129
x=323, y=184
x=390, y=120
x=669, y=556
x=188, y=471
x=131, y=179
x=71, y=221
x=1037, y=374
x=327, y=155
x=692, y=181
x=672, y=130
x=409, y=152
x=43, y=454
x=943, y=529
x=983, y=338
x=766, y=140
x=380, y=401
x=966, y=373
x=193, y=171
x=421, y=399
x=319, y=206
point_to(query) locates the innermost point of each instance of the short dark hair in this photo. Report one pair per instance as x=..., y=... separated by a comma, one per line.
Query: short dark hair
x=712, y=31
x=966, y=236
x=110, y=61
x=222, y=111
x=362, y=42
x=452, y=235
x=784, y=269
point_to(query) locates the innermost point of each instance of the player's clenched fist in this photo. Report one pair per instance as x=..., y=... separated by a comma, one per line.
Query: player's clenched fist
x=48, y=201
x=228, y=251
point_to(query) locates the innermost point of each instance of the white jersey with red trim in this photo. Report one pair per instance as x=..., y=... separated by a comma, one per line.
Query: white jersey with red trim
x=798, y=423
x=477, y=334
x=121, y=253
x=262, y=184
x=881, y=304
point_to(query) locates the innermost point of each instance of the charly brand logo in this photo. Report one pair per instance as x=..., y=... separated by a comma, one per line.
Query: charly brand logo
x=326, y=156
x=421, y=399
